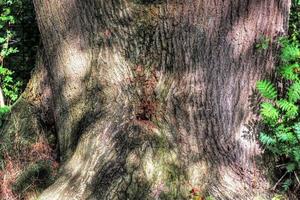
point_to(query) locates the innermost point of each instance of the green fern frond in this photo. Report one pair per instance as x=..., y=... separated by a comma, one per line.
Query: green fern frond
x=290, y=52
x=267, y=89
x=281, y=118
x=285, y=134
x=4, y=110
x=290, y=72
x=283, y=129
x=297, y=130
x=294, y=92
x=266, y=139
x=291, y=167
x=269, y=112
x=287, y=184
x=289, y=108
x=296, y=154
x=287, y=137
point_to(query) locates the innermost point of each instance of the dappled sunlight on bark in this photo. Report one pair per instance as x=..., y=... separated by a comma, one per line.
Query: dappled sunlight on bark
x=150, y=98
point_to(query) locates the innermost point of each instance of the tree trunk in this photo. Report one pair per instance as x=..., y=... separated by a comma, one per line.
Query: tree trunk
x=152, y=98
x=2, y=102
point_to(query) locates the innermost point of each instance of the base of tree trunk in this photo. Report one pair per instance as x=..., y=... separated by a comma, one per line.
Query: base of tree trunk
x=151, y=100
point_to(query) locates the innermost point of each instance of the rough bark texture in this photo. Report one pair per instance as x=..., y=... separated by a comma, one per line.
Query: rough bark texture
x=151, y=98
x=31, y=115
x=2, y=102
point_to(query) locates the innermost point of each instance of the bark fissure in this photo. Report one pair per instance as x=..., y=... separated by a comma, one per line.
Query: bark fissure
x=164, y=83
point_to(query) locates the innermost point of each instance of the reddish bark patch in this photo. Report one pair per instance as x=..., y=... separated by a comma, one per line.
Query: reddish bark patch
x=146, y=81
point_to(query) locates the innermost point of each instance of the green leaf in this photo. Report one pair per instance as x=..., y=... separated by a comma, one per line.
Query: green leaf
x=297, y=130
x=294, y=92
x=288, y=107
x=269, y=112
x=296, y=154
x=2, y=40
x=290, y=53
x=287, y=137
x=267, y=89
x=287, y=184
x=266, y=139
x=290, y=72
x=291, y=167
x=4, y=110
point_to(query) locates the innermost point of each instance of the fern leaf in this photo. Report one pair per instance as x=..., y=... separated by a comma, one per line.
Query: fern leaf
x=267, y=89
x=287, y=137
x=287, y=184
x=269, y=112
x=283, y=129
x=285, y=134
x=297, y=130
x=266, y=139
x=290, y=72
x=294, y=92
x=290, y=53
x=296, y=154
x=291, y=167
x=288, y=107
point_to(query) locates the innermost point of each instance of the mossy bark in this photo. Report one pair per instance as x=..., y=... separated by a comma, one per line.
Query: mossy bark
x=152, y=99
x=32, y=114
x=30, y=119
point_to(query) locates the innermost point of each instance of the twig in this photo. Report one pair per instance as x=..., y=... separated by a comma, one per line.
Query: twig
x=297, y=178
x=274, y=187
x=281, y=165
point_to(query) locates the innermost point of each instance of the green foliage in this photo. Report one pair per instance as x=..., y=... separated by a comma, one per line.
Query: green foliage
x=269, y=113
x=290, y=72
x=266, y=139
x=294, y=21
x=267, y=89
x=26, y=39
x=8, y=85
x=4, y=110
x=18, y=40
x=290, y=109
x=287, y=183
x=294, y=92
x=290, y=53
x=296, y=2
x=280, y=112
x=280, y=109
x=263, y=43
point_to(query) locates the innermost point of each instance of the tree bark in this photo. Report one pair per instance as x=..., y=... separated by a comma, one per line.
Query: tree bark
x=2, y=102
x=152, y=98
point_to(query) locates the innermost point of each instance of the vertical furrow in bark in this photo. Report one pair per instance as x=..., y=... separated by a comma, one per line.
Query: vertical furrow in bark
x=201, y=59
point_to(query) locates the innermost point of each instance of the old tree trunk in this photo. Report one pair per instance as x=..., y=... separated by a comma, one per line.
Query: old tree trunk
x=151, y=98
